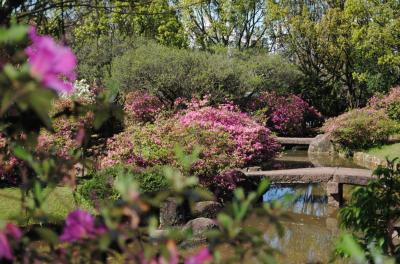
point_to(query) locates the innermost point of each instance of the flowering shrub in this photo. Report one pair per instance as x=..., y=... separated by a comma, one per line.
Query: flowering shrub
x=69, y=131
x=390, y=103
x=141, y=107
x=153, y=144
x=286, y=115
x=253, y=142
x=360, y=128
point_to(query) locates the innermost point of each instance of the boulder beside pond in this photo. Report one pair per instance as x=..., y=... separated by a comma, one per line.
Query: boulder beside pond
x=321, y=144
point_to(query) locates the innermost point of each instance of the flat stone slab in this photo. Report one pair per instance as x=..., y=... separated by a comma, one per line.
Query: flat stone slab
x=294, y=141
x=316, y=175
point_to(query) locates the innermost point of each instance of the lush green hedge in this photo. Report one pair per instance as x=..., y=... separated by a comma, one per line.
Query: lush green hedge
x=172, y=73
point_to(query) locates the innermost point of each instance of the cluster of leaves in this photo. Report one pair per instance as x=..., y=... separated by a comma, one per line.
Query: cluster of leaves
x=373, y=215
x=286, y=115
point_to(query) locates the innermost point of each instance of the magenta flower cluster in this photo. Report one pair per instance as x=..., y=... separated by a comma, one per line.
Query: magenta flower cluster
x=52, y=64
x=286, y=115
x=253, y=142
x=9, y=232
x=80, y=225
x=142, y=107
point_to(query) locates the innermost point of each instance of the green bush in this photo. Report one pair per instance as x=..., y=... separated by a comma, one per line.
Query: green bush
x=151, y=180
x=171, y=73
x=393, y=110
x=100, y=187
x=361, y=128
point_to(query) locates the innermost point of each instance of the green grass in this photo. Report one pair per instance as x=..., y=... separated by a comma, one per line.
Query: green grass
x=390, y=151
x=58, y=204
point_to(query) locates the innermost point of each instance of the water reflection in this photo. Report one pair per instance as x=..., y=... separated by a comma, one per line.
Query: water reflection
x=299, y=158
x=308, y=199
x=311, y=228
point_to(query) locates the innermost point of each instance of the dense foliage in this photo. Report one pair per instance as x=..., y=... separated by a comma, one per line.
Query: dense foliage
x=171, y=73
x=373, y=214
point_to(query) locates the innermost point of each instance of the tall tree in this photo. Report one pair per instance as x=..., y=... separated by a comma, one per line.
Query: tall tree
x=234, y=23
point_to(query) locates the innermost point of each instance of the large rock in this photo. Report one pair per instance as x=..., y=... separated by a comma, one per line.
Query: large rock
x=171, y=213
x=321, y=144
x=208, y=209
x=200, y=225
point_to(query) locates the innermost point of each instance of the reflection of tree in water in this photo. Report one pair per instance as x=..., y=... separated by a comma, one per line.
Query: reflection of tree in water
x=309, y=199
x=303, y=243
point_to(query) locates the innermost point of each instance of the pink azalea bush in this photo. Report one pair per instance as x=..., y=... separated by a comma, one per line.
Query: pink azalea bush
x=253, y=142
x=140, y=106
x=52, y=64
x=153, y=144
x=286, y=115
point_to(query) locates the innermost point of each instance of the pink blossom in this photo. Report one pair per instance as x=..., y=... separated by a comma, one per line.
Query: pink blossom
x=51, y=63
x=79, y=225
x=254, y=142
x=201, y=257
x=10, y=231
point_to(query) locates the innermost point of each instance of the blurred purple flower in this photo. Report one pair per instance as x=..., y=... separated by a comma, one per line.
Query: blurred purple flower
x=200, y=258
x=51, y=63
x=11, y=231
x=78, y=225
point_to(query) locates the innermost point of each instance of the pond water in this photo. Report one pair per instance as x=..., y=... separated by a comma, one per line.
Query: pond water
x=311, y=228
x=298, y=158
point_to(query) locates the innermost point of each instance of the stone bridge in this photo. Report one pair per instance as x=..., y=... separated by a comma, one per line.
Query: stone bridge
x=334, y=177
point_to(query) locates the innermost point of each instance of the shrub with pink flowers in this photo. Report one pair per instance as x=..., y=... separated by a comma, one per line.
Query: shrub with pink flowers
x=390, y=103
x=286, y=115
x=361, y=128
x=253, y=142
x=153, y=144
x=69, y=132
x=140, y=106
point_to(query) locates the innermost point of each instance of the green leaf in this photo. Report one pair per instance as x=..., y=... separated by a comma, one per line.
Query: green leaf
x=22, y=154
x=14, y=34
x=41, y=101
